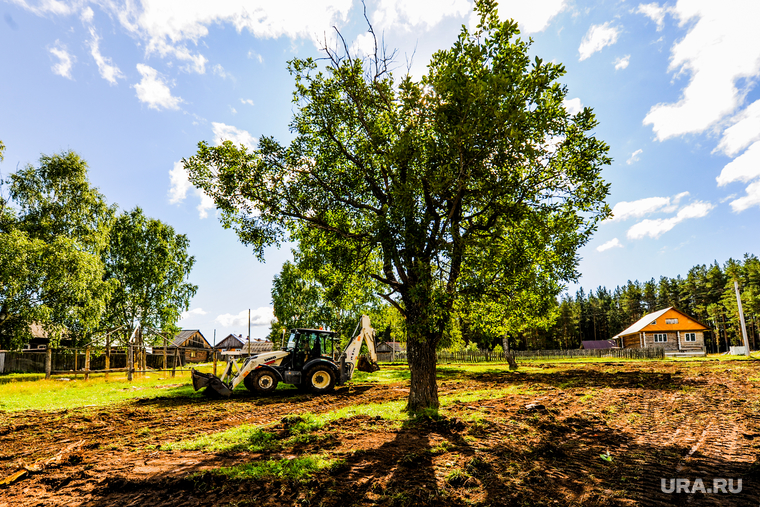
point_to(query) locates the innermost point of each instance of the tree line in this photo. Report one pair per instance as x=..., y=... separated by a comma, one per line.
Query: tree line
x=706, y=293
x=80, y=269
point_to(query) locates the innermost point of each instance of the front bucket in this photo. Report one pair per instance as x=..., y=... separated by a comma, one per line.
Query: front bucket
x=209, y=381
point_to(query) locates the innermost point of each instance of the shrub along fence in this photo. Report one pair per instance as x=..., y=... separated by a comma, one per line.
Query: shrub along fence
x=463, y=356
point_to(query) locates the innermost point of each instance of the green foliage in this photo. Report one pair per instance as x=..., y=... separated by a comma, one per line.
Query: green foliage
x=149, y=264
x=472, y=184
x=50, y=268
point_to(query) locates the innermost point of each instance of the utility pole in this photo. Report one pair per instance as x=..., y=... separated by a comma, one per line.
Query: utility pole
x=249, y=332
x=741, y=318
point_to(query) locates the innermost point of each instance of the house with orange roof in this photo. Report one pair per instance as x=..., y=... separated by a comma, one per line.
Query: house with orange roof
x=669, y=328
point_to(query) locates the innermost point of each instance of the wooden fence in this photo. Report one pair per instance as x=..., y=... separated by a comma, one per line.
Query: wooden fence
x=487, y=357
x=66, y=360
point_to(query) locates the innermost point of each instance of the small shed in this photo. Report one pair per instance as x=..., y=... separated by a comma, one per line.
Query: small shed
x=194, y=345
x=230, y=344
x=599, y=344
x=669, y=328
x=385, y=347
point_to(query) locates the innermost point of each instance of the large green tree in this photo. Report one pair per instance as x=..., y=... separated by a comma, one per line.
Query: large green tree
x=149, y=265
x=474, y=180
x=50, y=267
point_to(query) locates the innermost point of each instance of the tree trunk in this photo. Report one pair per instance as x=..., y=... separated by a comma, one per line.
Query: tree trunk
x=423, y=389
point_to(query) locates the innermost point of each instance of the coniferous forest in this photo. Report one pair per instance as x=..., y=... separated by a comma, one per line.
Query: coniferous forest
x=706, y=293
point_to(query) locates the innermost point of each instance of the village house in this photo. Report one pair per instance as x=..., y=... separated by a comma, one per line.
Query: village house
x=193, y=344
x=230, y=344
x=669, y=328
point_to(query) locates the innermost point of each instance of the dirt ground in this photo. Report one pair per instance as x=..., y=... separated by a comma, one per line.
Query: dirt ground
x=581, y=434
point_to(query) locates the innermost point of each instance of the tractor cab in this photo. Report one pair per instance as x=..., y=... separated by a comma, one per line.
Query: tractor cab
x=307, y=344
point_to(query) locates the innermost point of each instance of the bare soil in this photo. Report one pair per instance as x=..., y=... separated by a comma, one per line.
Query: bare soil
x=581, y=434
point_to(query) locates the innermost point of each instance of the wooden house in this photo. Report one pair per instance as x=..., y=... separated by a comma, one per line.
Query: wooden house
x=669, y=328
x=258, y=346
x=194, y=346
x=230, y=344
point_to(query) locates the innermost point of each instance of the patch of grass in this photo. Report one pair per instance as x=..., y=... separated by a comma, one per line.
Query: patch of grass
x=56, y=394
x=483, y=394
x=245, y=437
x=296, y=470
x=253, y=438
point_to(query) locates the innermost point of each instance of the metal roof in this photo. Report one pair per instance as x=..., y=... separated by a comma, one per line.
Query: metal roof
x=643, y=322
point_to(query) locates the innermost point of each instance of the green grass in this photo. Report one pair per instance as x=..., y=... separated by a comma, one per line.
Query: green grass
x=297, y=469
x=56, y=394
x=254, y=438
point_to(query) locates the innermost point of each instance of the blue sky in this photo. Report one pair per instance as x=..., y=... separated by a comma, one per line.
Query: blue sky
x=134, y=86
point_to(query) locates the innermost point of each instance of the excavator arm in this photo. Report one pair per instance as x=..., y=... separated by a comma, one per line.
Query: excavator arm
x=350, y=360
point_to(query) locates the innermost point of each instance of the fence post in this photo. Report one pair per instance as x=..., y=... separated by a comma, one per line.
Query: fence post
x=87, y=363
x=215, y=362
x=48, y=362
x=130, y=362
x=174, y=362
x=76, y=352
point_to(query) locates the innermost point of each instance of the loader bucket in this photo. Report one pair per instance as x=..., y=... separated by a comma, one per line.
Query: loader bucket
x=364, y=364
x=209, y=381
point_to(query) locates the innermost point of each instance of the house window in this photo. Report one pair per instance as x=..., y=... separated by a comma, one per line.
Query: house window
x=660, y=337
x=691, y=337
x=653, y=323
x=671, y=321
x=192, y=354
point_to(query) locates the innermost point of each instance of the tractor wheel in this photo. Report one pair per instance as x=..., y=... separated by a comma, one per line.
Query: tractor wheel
x=262, y=381
x=320, y=379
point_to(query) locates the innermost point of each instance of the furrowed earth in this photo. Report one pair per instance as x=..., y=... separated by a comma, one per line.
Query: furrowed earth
x=553, y=434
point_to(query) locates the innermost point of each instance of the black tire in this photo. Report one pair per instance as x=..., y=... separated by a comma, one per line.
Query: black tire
x=320, y=379
x=261, y=381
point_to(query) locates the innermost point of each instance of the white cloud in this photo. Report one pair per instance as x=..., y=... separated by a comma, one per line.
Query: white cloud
x=744, y=131
x=654, y=12
x=622, y=62
x=417, y=14
x=254, y=55
x=224, y=132
x=533, y=16
x=233, y=110
x=191, y=313
x=613, y=243
x=219, y=71
x=573, y=106
x=261, y=316
x=657, y=227
x=743, y=168
x=597, y=37
x=154, y=91
x=634, y=209
x=634, y=157
x=47, y=7
x=364, y=45
x=206, y=203
x=87, y=15
x=65, y=60
x=721, y=48
x=246, y=101
x=179, y=183
x=751, y=199
x=108, y=71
